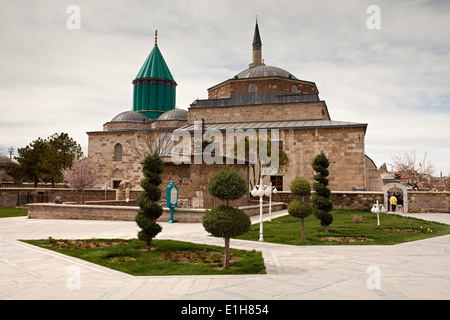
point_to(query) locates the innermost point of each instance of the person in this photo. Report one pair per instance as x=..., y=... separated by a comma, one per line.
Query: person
x=393, y=202
x=388, y=199
x=400, y=202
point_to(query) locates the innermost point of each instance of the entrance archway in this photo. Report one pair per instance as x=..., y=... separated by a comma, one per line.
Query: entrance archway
x=404, y=190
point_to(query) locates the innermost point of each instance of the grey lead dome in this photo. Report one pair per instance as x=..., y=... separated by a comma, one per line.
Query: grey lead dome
x=265, y=71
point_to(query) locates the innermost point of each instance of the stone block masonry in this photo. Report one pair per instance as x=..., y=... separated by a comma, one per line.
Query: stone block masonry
x=124, y=213
x=419, y=201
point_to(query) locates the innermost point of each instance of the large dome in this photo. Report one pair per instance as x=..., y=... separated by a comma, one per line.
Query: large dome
x=264, y=71
x=174, y=114
x=130, y=116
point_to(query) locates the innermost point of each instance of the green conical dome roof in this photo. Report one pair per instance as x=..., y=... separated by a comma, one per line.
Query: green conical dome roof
x=154, y=86
x=155, y=66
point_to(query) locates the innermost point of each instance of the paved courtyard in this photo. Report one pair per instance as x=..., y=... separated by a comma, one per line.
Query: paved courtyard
x=413, y=270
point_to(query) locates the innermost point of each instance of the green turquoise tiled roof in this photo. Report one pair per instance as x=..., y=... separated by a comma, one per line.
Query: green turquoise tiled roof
x=155, y=67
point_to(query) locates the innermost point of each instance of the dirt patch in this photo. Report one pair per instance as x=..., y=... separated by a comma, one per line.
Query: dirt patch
x=195, y=256
x=83, y=244
x=346, y=239
x=399, y=230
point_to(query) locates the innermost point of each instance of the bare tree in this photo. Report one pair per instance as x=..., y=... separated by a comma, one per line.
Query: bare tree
x=80, y=176
x=149, y=142
x=411, y=167
x=261, y=168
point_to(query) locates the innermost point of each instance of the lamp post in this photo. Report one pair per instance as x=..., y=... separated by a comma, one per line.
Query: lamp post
x=105, y=187
x=261, y=191
x=268, y=193
x=377, y=208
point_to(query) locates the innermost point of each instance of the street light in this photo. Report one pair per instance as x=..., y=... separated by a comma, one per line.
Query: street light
x=105, y=187
x=261, y=191
x=377, y=208
x=268, y=193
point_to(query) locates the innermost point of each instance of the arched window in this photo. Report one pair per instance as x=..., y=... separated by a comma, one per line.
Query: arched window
x=219, y=94
x=117, y=152
x=252, y=88
x=294, y=89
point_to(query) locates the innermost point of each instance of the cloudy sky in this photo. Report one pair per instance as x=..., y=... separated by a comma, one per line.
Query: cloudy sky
x=396, y=78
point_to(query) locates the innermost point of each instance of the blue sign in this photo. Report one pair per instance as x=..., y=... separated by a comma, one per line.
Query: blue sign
x=171, y=198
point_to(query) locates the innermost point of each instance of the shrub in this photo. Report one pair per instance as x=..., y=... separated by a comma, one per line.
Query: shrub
x=357, y=218
x=227, y=185
x=300, y=210
x=300, y=187
x=322, y=206
x=225, y=221
x=149, y=209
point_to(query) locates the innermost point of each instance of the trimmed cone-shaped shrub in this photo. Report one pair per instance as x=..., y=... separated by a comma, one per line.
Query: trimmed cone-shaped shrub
x=149, y=209
x=322, y=206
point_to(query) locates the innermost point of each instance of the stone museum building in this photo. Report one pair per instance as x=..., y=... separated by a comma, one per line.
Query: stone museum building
x=259, y=97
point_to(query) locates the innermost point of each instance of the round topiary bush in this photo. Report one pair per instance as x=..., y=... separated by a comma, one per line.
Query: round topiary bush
x=300, y=187
x=300, y=210
x=226, y=222
x=227, y=185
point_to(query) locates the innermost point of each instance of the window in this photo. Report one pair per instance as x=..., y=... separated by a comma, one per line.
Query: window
x=278, y=144
x=252, y=88
x=116, y=184
x=294, y=89
x=277, y=181
x=117, y=152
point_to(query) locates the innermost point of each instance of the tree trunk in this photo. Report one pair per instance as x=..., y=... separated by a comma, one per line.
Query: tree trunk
x=303, y=229
x=325, y=228
x=149, y=245
x=227, y=253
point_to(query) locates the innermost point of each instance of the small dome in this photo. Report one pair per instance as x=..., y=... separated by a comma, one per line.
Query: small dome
x=130, y=116
x=174, y=114
x=5, y=161
x=264, y=71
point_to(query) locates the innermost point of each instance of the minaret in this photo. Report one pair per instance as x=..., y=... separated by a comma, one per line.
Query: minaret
x=154, y=86
x=257, y=49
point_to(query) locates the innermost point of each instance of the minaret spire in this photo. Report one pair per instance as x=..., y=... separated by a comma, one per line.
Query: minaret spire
x=257, y=48
x=156, y=37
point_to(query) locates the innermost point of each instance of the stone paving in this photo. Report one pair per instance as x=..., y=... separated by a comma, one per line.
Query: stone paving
x=413, y=270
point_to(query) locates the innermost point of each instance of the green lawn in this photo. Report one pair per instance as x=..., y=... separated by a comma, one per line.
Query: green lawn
x=167, y=257
x=6, y=212
x=393, y=229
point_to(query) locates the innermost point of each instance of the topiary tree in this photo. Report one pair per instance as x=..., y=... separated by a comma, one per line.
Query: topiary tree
x=225, y=221
x=322, y=206
x=300, y=209
x=227, y=185
x=150, y=210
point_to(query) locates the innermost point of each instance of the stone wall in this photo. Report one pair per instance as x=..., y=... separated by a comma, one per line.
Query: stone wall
x=124, y=213
x=344, y=148
x=12, y=197
x=260, y=112
x=425, y=201
x=419, y=202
